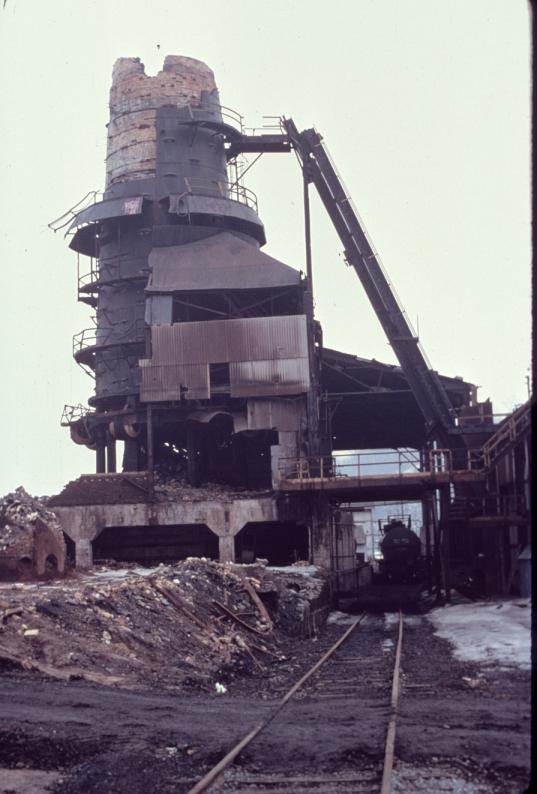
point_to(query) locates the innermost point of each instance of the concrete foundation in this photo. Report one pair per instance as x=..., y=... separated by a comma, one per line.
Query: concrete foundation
x=225, y=518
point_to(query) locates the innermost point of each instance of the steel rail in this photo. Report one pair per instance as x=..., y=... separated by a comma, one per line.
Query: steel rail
x=386, y=787
x=213, y=775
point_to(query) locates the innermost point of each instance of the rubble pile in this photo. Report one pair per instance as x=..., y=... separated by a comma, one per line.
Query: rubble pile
x=31, y=539
x=135, y=488
x=192, y=624
x=303, y=599
x=171, y=486
x=174, y=490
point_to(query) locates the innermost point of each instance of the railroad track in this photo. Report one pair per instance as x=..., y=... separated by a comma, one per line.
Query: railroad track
x=342, y=674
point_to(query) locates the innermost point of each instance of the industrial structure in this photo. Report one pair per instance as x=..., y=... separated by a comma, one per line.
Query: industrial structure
x=210, y=368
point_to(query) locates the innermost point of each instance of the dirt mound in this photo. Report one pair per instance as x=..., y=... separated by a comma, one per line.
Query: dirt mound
x=193, y=624
x=97, y=489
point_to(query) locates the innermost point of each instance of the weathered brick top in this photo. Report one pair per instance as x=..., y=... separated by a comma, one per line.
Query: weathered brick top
x=134, y=98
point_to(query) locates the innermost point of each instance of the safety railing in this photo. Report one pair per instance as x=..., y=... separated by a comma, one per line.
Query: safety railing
x=106, y=272
x=381, y=463
x=103, y=337
x=89, y=278
x=270, y=124
x=222, y=189
x=72, y=413
x=512, y=428
x=86, y=201
x=497, y=505
x=217, y=113
x=360, y=464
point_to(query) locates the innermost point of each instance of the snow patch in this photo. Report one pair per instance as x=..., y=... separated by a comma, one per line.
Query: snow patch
x=340, y=618
x=305, y=570
x=497, y=632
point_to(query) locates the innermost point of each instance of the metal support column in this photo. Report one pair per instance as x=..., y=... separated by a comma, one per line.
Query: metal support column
x=150, y=452
x=445, y=550
x=426, y=509
x=100, y=454
x=437, y=559
x=110, y=453
x=313, y=400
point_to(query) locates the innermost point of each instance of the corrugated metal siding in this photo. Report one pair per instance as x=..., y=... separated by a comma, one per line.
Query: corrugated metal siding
x=284, y=415
x=269, y=378
x=218, y=341
x=164, y=381
x=268, y=356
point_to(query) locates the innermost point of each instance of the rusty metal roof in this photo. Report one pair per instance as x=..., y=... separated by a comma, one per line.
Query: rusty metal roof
x=223, y=261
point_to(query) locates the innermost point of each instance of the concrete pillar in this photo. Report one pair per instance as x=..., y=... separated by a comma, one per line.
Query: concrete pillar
x=83, y=553
x=283, y=456
x=321, y=551
x=226, y=547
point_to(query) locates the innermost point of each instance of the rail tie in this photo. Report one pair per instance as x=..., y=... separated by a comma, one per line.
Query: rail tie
x=212, y=776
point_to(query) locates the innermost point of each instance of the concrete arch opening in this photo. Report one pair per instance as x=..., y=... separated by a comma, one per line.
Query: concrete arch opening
x=154, y=544
x=279, y=542
x=51, y=565
x=25, y=568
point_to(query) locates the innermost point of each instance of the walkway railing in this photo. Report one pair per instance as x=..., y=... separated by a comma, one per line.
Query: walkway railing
x=220, y=188
x=513, y=427
x=497, y=505
x=72, y=413
x=103, y=337
x=398, y=463
x=86, y=201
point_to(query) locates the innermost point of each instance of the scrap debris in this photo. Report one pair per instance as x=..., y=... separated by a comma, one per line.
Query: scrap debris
x=31, y=538
x=183, y=625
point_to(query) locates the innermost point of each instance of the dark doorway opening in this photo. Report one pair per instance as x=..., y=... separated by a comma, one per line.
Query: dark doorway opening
x=25, y=568
x=279, y=542
x=70, y=549
x=153, y=544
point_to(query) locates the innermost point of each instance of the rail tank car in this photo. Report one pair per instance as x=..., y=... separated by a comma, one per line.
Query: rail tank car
x=401, y=554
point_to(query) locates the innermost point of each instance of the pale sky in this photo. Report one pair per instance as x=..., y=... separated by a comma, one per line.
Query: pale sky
x=424, y=106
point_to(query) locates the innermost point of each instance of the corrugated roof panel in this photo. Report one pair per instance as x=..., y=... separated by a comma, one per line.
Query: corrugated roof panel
x=222, y=261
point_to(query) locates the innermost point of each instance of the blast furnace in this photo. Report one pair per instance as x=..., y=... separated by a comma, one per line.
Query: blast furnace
x=208, y=363
x=201, y=348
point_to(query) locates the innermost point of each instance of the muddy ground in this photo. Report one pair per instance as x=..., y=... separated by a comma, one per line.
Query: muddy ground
x=102, y=739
